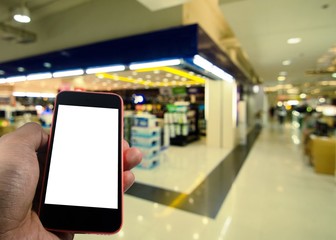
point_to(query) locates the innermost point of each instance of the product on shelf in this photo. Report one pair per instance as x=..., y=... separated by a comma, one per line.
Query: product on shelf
x=182, y=121
x=146, y=136
x=128, y=123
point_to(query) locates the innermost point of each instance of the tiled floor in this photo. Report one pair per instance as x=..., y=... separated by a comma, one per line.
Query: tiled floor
x=276, y=195
x=182, y=169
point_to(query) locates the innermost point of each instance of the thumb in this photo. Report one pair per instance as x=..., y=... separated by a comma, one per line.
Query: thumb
x=31, y=135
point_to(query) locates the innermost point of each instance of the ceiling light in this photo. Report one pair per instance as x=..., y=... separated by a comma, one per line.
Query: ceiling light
x=208, y=66
x=21, y=69
x=172, y=62
x=283, y=73
x=112, y=68
x=322, y=100
x=292, y=102
x=303, y=95
x=69, y=73
x=255, y=89
x=22, y=14
x=294, y=40
x=281, y=78
x=286, y=62
x=315, y=91
x=39, y=76
x=293, y=91
x=16, y=79
x=34, y=94
x=47, y=64
x=333, y=75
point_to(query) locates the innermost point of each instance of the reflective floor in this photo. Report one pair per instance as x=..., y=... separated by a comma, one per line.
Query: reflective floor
x=266, y=190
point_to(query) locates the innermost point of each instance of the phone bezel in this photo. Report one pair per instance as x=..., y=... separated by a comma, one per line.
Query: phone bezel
x=83, y=219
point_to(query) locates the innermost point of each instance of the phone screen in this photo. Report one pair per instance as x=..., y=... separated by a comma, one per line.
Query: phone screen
x=82, y=179
x=84, y=158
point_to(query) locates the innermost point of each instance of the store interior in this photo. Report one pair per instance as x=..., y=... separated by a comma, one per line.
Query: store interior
x=236, y=125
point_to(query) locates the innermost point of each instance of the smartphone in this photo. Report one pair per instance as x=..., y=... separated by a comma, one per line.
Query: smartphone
x=82, y=190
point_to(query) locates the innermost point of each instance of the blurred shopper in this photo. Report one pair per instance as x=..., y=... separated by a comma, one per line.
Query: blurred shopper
x=281, y=113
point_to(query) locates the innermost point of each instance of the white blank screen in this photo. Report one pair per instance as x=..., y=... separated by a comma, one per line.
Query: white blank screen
x=84, y=161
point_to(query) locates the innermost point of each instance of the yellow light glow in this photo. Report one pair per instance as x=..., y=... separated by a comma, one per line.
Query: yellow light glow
x=175, y=71
x=188, y=79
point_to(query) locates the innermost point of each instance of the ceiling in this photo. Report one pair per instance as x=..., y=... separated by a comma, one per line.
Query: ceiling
x=262, y=28
x=38, y=8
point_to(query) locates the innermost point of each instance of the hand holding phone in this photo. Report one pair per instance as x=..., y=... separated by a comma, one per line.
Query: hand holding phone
x=82, y=187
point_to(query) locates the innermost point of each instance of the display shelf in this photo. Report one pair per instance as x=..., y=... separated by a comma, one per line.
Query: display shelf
x=182, y=119
x=146, y=136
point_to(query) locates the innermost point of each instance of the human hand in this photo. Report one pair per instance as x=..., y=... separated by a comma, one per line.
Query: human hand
x=19, y=177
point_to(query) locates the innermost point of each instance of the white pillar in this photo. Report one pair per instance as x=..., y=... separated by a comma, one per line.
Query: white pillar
x=229, y=113
x=213, y=108
x=242, y=122
x=221, y=114
x=266, y=106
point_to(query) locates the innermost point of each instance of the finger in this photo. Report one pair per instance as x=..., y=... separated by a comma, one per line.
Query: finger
x=132, y=157
x=128, y=178
x=31, y=135
x=125, y=145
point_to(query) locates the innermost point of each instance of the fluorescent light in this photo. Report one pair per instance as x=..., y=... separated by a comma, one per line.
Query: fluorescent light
x=202, y=62
x=34, y=94
x=38, y=76
x=333, y=75
x=19, y=94
x=294, y=40
x=286, y=62
x=112, y=68
x=208, y=66
x=172, y=62
x=16, y=79
x=222, y=74
x=48, y=95
x=68, y=73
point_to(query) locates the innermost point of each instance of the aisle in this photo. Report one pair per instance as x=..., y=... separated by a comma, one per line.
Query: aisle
x=275, y=196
